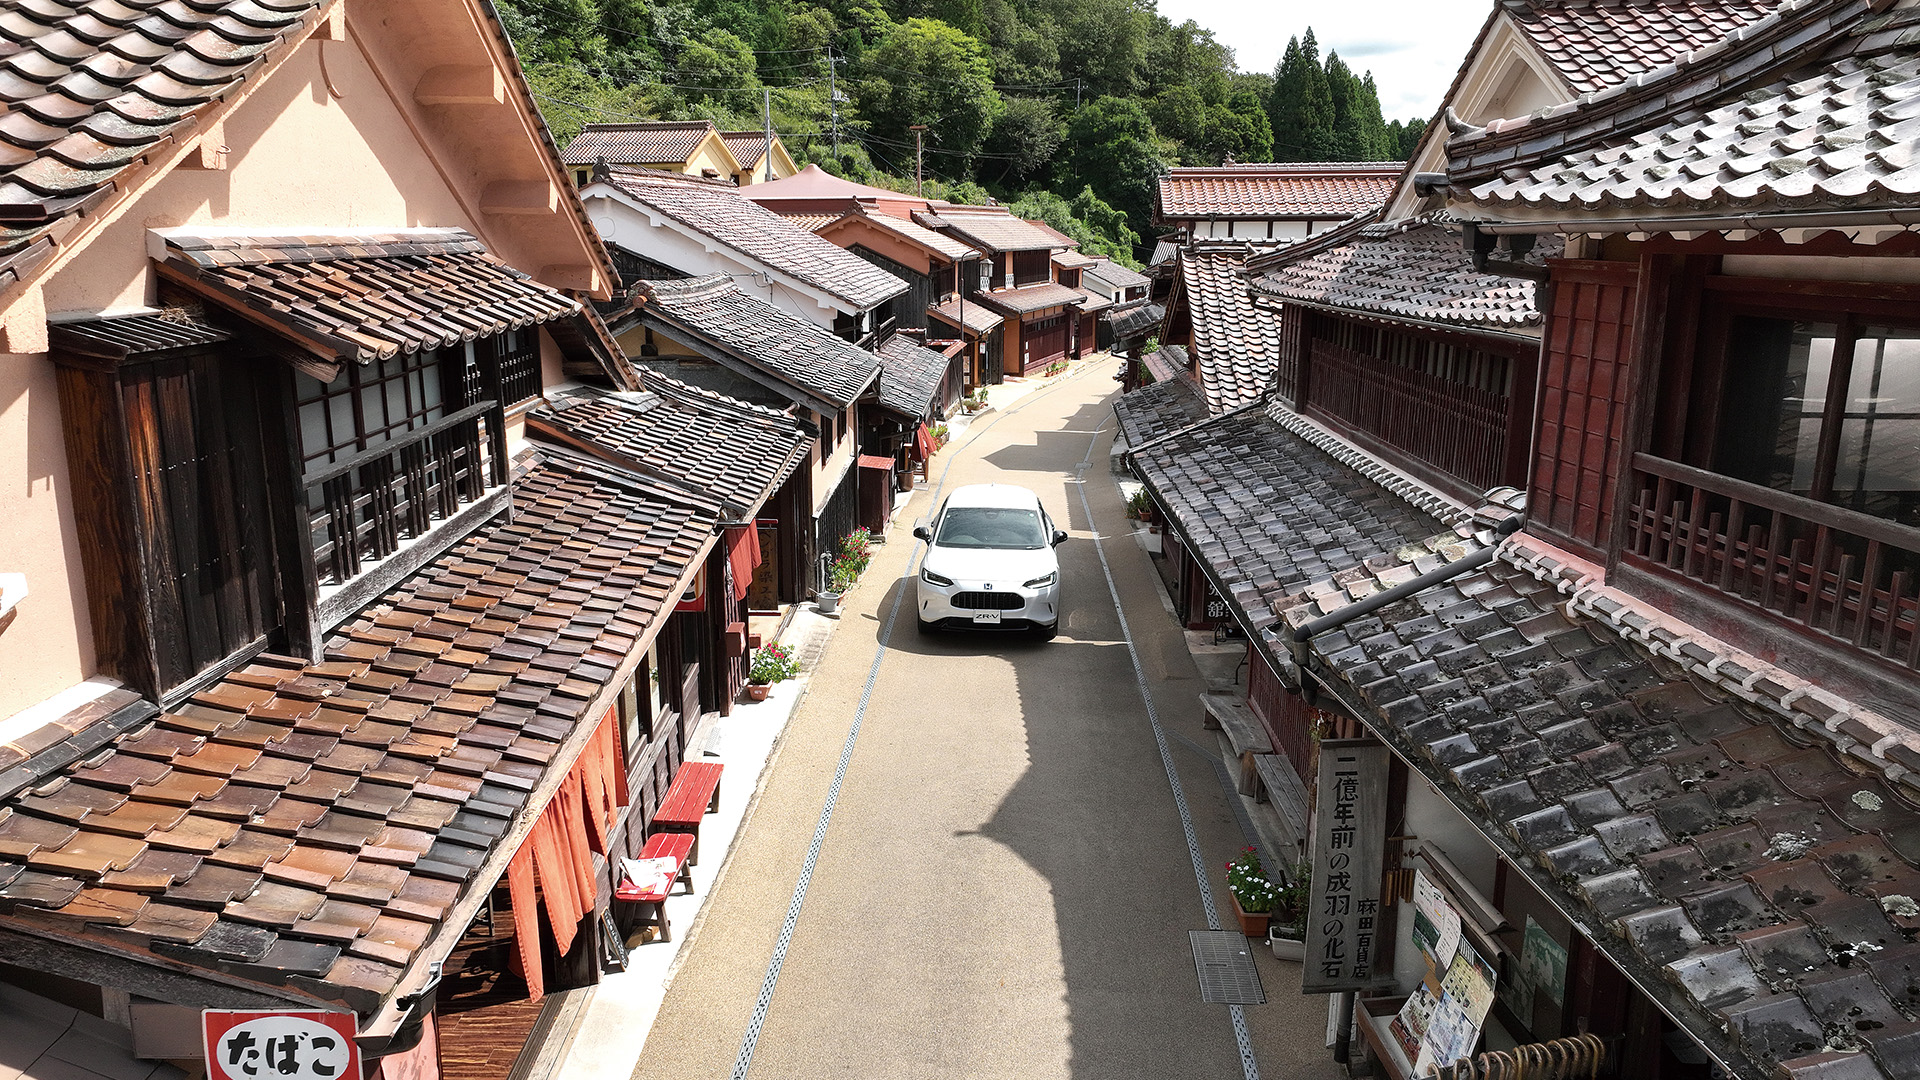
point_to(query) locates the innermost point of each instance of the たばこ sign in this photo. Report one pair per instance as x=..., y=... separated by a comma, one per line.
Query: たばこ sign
x=299, y=1045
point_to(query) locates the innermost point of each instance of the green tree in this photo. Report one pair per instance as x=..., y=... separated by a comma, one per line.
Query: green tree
x=1110, y=149
x=1102, y=42
x=1025, y=139
x=1239, y=130
x=926, y=72
x=1180, y=113
x=1301, y=108
x=1024, y=53
x=1403, y=140
x=1101, y=230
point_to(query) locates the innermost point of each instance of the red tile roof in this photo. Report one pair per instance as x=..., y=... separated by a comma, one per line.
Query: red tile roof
x=305, y=830
x=747, y=147
x=367, y=295
x=1594, y=44
x=1335, y=189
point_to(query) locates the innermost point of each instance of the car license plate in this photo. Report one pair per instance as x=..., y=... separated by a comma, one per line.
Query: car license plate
x=986, y=617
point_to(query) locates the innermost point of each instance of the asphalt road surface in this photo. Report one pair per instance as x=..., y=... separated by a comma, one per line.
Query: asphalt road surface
x=1004, y=887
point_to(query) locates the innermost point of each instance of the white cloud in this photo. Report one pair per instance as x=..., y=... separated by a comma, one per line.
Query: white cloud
x=1412, y=47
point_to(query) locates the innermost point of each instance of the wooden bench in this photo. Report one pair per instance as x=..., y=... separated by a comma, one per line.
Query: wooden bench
x=1228, y=713
x=1280, y=784
x=694, y=793
x=675, y=846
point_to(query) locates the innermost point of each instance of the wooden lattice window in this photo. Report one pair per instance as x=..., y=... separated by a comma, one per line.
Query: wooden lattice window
x=519, y=359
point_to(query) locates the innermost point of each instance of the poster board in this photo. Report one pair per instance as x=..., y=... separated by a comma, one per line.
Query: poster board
x=1441, y=1022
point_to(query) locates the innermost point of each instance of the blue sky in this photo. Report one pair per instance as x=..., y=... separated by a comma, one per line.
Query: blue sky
x=1413, y=48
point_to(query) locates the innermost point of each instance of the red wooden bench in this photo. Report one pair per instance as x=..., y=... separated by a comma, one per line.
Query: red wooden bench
x=675, y=846
x=694, y=793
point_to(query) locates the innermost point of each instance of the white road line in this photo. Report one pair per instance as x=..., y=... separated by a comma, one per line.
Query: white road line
x=752, y=1038
x=1248, y=1066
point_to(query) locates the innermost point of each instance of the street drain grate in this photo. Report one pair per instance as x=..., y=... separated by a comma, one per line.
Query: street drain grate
x=1224, y=962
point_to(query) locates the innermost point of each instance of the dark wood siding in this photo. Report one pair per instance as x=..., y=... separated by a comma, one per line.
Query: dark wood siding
x=909, y=309
x=1583, y=404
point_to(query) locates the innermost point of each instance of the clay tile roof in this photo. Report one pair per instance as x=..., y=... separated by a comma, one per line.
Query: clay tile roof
x=1266, y=512
x=1309, y=190
x=737, y=452
x=1160, y=409
x=1413, y=270
x=811, y=221
x=798, y=352
x=1765, y=883
x=1095, y=302
x=1836, y=135
x=660, y=143
x=910, y=377
x=1073, y=260
x=1235, y=344
x=937, y=242
x=72, y=122
x=1116, y=275
x=980, y=318
x=366, y=295
x=721, y=214
x=304, y=830
x=1027, y=298
x=991, y=229
x=1140, y=319
x=1594, y=44
x=747, y=147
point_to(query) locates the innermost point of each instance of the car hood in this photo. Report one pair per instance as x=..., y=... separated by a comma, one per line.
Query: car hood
x=998, y=566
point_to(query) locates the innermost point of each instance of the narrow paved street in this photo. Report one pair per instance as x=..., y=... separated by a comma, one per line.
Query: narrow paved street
x=1005, y=887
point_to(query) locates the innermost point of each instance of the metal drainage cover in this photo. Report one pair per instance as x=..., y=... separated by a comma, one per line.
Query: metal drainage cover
x=1224, y=962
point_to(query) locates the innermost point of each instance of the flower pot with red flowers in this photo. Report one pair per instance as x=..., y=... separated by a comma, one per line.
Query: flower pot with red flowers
x=772, y=663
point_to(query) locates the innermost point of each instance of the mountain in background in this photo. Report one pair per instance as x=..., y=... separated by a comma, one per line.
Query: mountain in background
x=1071, y=107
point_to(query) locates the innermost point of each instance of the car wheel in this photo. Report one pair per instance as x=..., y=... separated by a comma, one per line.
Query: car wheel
x=927, y=629
x=1048, y=632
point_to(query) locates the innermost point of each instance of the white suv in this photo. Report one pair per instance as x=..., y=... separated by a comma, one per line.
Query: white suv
x=990, y=563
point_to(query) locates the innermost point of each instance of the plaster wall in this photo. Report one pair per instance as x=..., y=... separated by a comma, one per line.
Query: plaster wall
x=827, y=471
x=1883, y=269
x=849, y=231
x=632, y=229
x=301, y=158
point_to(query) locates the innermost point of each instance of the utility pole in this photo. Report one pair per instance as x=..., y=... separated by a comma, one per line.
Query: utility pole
x=833, y=100
x=1076, y=94
x=919, y=176
x=766, y=114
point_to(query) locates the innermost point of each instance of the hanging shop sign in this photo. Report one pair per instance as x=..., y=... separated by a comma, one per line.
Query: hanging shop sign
x=1350, y=829
x=294, y=1045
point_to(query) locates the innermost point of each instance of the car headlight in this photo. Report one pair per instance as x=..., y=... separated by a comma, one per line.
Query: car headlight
x=932, y=578
x=1042, y=581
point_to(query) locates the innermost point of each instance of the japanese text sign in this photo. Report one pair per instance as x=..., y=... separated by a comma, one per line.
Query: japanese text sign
x=1350, y=827
x=299, y=1045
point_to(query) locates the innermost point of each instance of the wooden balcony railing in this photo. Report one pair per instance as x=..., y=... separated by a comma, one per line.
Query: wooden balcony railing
x=363, y=509
x=1850, y=576
x=1460, y=430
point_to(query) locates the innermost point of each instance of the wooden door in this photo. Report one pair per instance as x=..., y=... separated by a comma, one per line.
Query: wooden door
x=199, y=488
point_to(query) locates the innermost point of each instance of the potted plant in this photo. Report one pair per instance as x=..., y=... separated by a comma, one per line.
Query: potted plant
x=772, y=663
x=1288, y=932
x=1252, y=893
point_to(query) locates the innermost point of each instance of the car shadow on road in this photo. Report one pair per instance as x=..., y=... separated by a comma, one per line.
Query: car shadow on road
x=1092, y=816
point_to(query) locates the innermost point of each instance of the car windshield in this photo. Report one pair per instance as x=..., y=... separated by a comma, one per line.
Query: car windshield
x=991, y=527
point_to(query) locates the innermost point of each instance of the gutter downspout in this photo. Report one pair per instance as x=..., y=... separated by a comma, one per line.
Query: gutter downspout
x=1298, y=640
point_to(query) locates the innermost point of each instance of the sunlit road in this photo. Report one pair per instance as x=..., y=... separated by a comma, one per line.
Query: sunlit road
x=1004, y=889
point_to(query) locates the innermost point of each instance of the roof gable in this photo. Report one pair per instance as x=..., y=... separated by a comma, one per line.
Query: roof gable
x=1311, y=190
x=720, y=214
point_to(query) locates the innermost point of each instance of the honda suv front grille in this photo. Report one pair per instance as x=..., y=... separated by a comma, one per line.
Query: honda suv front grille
x=988, y=601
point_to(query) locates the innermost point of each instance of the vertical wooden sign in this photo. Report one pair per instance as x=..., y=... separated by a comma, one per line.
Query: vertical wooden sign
x=1349, y=837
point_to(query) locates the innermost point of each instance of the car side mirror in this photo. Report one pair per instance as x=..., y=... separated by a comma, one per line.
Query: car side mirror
x=921, y=532
x=1059, y=537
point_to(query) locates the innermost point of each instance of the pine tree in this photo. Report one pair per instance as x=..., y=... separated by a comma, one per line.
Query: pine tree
x=1349, y=141
x=1301, y=108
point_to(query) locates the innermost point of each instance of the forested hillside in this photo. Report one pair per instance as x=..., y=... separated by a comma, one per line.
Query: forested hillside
x=1070, y=106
